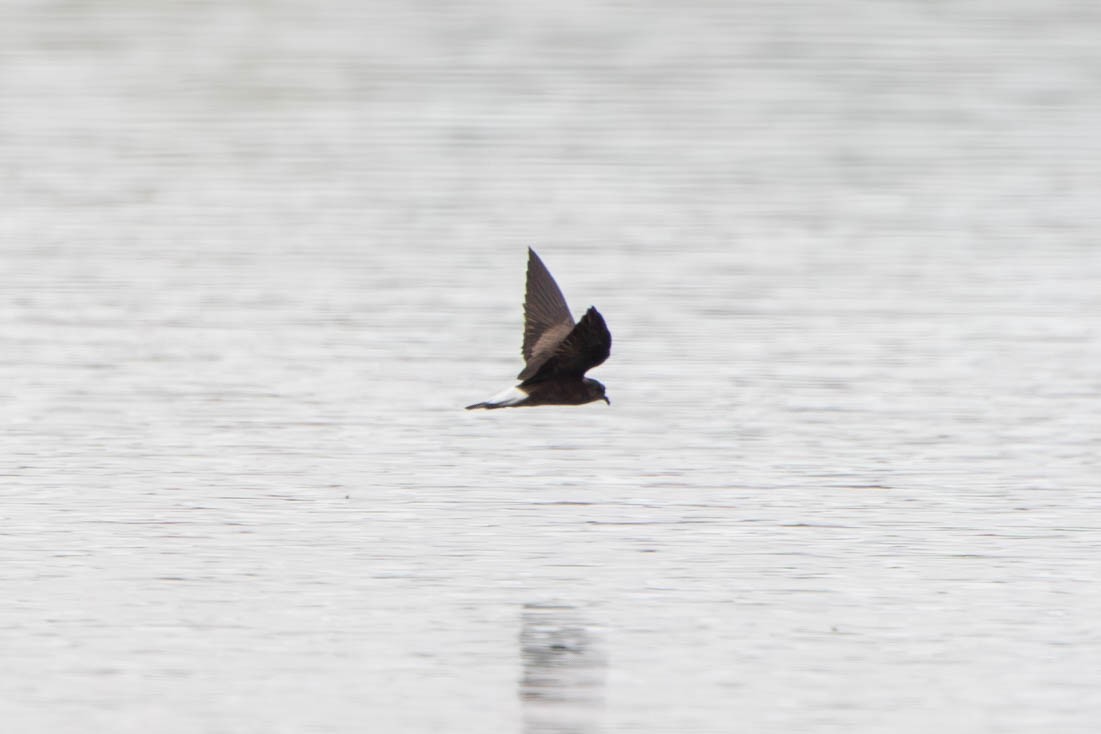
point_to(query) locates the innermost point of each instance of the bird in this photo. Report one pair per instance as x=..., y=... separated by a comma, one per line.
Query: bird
x=557, y=352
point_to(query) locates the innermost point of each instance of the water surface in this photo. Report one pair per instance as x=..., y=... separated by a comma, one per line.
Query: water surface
x=256, y=256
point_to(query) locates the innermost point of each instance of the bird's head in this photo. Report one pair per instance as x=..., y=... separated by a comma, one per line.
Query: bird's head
x=596, y=391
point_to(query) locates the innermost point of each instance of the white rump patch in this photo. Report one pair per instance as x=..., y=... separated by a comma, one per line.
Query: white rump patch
x=508, y=396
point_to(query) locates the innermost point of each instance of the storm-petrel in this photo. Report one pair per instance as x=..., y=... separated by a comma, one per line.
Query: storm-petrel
x=558, y=352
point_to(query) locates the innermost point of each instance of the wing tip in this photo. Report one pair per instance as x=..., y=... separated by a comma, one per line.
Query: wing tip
x=591, y=311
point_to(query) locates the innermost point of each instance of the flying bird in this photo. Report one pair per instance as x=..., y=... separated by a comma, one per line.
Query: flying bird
x=557, y=351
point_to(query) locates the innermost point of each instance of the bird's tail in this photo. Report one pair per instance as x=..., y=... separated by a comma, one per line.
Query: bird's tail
x=504, y=399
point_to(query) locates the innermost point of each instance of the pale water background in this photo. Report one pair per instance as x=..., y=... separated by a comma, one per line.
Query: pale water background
x=256, y=256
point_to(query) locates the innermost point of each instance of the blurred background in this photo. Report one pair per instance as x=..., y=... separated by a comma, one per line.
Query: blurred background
x=256, y=255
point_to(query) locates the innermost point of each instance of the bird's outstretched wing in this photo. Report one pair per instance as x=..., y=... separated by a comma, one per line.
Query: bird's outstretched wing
x=588, y=344
x=547, y=319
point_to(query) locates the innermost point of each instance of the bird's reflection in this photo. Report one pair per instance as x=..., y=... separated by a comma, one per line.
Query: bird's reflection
x=562, y=686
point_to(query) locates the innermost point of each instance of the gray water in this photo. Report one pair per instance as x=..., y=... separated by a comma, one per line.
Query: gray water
x=256, y=256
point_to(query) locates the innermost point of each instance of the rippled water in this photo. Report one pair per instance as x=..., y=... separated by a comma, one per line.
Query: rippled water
x=257, y=255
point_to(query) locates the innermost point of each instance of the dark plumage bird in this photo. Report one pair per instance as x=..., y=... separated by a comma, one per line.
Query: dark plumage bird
x=558, y=352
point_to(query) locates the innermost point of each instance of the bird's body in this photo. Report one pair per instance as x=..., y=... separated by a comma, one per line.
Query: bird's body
x=546, y=392
x=556, y=350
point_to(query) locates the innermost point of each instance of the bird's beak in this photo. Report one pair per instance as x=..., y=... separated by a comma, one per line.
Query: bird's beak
x=609, y=402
